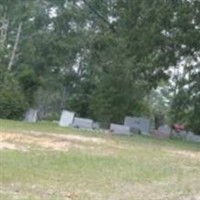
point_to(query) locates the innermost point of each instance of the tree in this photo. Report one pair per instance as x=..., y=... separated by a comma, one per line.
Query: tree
x=101, y=59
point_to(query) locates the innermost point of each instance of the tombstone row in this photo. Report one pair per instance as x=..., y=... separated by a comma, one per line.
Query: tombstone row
x=131, y=125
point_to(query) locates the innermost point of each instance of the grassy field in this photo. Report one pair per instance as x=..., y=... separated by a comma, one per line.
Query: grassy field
x=45, y=162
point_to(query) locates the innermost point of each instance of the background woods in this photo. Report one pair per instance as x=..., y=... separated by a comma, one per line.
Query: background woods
x=102, y=59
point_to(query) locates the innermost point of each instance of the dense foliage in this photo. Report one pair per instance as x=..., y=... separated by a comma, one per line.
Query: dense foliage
x=101, y=59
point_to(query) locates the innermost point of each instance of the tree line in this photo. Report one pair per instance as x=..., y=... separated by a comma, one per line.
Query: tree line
x=102, y=59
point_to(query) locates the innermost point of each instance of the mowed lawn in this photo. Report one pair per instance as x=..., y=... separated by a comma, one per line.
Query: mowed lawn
x=45, y=162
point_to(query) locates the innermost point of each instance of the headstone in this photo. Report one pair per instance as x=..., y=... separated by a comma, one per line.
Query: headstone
x=83, y=123
x=140, y=123
x=192, y=137
x=179, y=134
x=31, y=115
x=120, y=129
x=165, y=129
x=66, y=118
x=162, y=132
x=96, y=125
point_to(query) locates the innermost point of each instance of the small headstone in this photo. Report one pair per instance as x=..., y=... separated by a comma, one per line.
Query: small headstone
x=140, y=123
x=162, y=132
x=66, y=118
x=192, y=137
x=179, y=134
x=83, y=123
x=120, y=129
x=165, y=129
x=31, y=115
x=96, y=125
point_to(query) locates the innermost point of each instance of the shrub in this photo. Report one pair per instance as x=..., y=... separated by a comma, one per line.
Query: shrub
x=12, y=100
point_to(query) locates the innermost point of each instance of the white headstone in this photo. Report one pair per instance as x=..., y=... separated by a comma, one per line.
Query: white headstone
x=120, y=129
x=83, y=123
x=140, y=123
x=31, y=115
x=66, y=118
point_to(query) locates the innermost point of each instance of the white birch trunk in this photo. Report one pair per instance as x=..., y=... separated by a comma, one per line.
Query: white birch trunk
x=3, y=31
x=12, y=58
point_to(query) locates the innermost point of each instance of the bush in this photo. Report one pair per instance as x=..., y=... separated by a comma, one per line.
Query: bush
x=12, y=101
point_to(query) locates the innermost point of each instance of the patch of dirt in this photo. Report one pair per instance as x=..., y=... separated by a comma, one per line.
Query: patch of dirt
x=6, y=145
x=196, y=197
x=17, y=141
x=186, y=154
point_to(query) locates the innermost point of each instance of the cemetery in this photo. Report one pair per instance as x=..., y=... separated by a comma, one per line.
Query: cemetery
x=99, y=100
x=132, y=125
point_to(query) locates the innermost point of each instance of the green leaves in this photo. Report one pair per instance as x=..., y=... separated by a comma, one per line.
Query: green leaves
x=108, y=55
x=12, y=101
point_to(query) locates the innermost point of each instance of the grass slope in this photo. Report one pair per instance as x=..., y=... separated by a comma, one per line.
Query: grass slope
x=119, y=168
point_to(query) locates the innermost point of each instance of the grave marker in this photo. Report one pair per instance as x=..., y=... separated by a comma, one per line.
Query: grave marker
x=192, y=137
x=120, y=129
x=162, y=132
x=31, y=115
x=83, y=123
x=140, y=123
x=66, y=118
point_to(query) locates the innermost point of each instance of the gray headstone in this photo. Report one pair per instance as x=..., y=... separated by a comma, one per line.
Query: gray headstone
x=165, y=129
x=96, y=125
x=120, y=129
x=66, y=118
x=192, y=137
x=140, y=123
x=83, y=123
x=179, y=134
x=31, y=115
x=162, y=132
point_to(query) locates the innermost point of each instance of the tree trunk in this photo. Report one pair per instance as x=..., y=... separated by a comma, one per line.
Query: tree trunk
x=3, y=31
x=15, y=47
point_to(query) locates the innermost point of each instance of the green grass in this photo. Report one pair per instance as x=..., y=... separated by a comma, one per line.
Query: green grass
x=42, y=126
x=128, y=168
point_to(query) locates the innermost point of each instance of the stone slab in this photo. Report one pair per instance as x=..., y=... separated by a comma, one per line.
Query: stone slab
x=162, y=132
x=179, y=134
x=120, y=129
x=66, y=118
x=96, y=125
x=31, y=115
x=192, y=137
x=140, y=123
x=83, y=123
